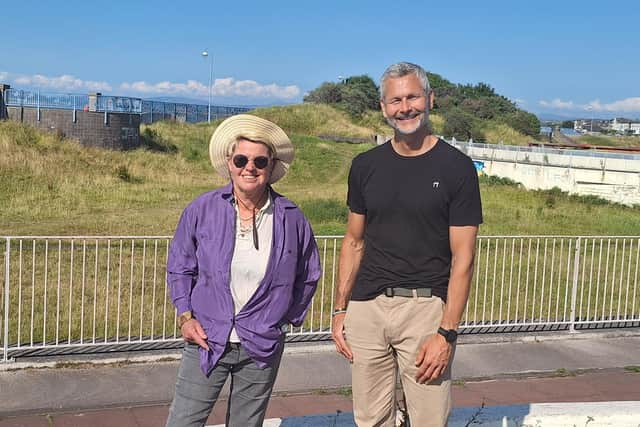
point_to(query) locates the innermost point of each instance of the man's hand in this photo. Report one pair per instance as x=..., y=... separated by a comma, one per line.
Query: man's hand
x=192, y=332
x=433, y=358
x=337, y=333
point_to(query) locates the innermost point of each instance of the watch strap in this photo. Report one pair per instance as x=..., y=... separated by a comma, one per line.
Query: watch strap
x=450, y=335
x=184, y=317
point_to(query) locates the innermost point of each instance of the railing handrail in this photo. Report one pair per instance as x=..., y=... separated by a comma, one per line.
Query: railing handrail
x=545, y=150
x=34, y=98
x=63, y=292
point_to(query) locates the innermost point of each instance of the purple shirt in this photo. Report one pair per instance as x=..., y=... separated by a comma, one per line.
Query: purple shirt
x=199, y=275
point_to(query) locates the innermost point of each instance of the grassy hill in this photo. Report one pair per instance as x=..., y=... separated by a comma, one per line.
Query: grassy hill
x=607, y=140
x=52, y=186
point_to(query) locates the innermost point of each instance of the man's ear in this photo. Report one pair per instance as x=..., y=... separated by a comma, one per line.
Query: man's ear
x=431, y=98
x=384, y=114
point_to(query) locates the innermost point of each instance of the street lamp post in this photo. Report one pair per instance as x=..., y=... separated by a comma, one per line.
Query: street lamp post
x=590, y=109
x=205, y=54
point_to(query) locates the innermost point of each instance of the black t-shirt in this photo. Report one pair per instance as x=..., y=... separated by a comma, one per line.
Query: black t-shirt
x=409, y=204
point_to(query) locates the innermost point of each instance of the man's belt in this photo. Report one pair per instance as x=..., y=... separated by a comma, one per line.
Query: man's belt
x=408, y=292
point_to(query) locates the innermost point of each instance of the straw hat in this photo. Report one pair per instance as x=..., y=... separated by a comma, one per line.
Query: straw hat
x=255, y=129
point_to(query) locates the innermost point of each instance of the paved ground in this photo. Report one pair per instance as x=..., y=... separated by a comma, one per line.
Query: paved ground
x=519, y=371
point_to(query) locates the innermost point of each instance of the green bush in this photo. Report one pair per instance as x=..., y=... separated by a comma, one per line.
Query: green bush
x=461, y=125
x=355, y=95
x=122, y=172
x=152, y=140
x=523, y=122
x=493, y=180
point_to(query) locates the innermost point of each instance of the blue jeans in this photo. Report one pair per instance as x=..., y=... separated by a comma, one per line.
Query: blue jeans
x=196, y=393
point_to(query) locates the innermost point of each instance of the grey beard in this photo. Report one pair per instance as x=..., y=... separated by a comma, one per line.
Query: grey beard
x=424, y=122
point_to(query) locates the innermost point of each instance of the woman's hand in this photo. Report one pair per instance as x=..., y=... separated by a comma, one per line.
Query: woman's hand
x=192, y=332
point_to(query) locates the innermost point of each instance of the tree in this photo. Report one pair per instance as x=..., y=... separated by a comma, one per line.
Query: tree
x=367, y=87
x=524, y=122
x=355, y=95
x=567, y=124
x=327, y=93
x=436, y=81
x=461, y=125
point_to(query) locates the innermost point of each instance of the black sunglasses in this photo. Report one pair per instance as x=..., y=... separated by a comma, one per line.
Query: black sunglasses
x=260, y=162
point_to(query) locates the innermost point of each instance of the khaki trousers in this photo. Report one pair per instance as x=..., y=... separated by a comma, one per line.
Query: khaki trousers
x=385, y=335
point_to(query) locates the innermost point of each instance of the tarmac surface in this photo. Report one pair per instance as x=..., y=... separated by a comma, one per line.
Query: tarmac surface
x=551, y=379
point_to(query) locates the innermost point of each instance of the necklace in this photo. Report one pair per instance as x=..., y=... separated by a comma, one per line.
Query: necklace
x=252, y=217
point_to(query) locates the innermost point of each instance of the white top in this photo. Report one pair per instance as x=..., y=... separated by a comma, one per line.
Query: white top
x=249, y=265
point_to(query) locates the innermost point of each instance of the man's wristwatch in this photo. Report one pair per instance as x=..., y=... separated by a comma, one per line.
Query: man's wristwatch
x=183, y=318
x=450, y=335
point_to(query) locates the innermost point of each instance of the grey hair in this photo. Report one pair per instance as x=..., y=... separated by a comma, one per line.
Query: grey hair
x=232, y=147
x=402, y=69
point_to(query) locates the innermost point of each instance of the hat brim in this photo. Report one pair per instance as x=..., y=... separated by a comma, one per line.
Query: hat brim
x=255, y=129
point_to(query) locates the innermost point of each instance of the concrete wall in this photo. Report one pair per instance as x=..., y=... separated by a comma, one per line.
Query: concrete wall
x=120, y=132
x=613, y=177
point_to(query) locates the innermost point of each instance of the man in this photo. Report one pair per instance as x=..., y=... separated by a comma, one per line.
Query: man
x=406, y=260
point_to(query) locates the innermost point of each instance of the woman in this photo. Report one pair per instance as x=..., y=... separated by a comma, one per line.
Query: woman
x=242, y=265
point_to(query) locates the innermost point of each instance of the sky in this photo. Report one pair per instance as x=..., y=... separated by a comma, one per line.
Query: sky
x=561, y=58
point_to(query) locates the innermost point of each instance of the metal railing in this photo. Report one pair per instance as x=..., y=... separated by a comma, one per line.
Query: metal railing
x=26, y=98
x=153, y=111
x=118, y=104
x=150, y=111
x=91, y=294
x=465, y=145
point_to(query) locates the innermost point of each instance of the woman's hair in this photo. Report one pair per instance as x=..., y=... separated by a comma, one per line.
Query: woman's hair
x=232, y=147
x=402, y=69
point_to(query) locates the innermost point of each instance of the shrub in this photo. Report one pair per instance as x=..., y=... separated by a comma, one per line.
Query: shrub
x=494, y=180
x=461, y=125
x=122, y=172
x=152, y=140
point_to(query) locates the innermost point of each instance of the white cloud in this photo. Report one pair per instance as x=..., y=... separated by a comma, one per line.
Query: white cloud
x=227, y=87
x=191, y=87
x=558, y=104
x=64, y=82
x=627, y=105
x=221, y=87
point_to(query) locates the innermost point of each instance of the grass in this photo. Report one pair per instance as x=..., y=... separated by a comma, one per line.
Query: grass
x=53, y=186
x=608, y=140
x=562, y=372
x=344, y=391
x=319, y=119
x=499, y=133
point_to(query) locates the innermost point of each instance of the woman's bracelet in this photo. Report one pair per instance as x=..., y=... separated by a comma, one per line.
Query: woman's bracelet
x=338, y=311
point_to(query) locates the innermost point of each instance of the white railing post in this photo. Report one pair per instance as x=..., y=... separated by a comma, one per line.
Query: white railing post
x=574, y=286
x=5, y=327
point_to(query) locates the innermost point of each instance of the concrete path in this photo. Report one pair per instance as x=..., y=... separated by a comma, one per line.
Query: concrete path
x=520, y=371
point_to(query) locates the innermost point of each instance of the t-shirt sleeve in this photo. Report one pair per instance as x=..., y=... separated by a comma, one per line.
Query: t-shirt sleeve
x=466, y=207
x=355, y=198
